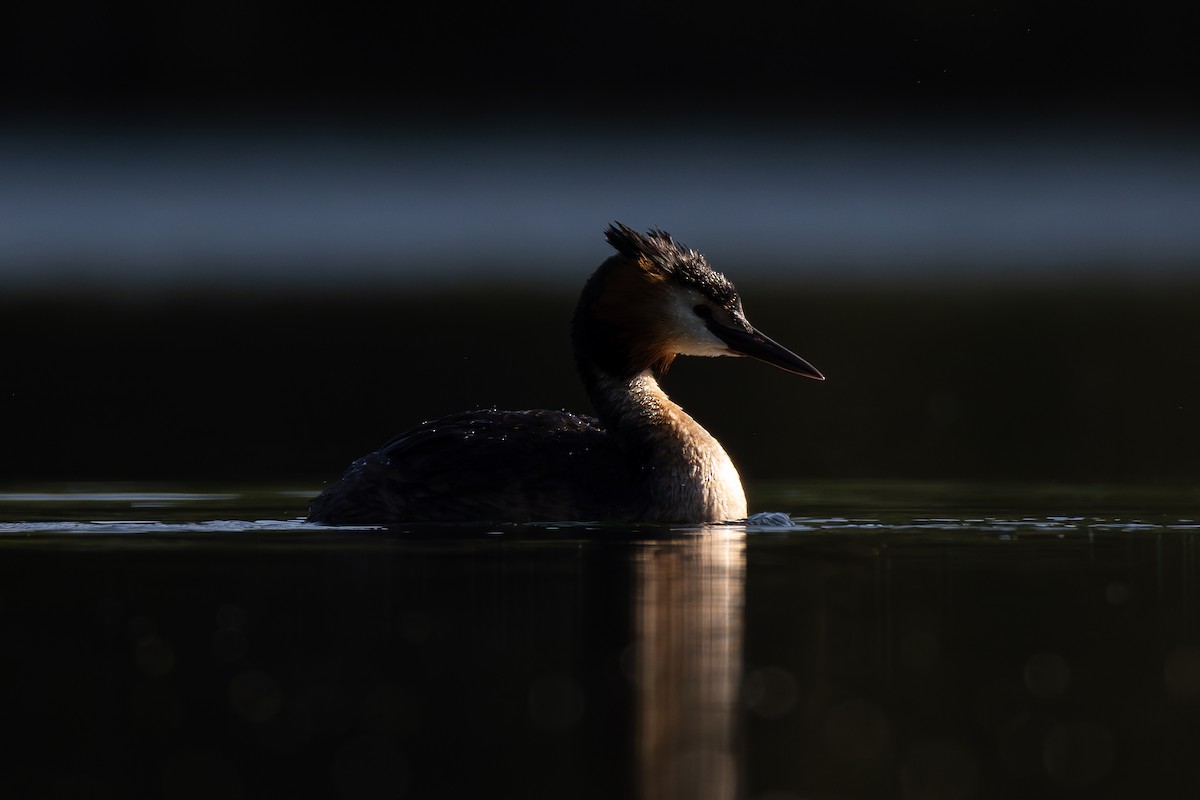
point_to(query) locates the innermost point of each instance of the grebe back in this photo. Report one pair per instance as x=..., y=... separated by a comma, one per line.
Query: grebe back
x=643, y=459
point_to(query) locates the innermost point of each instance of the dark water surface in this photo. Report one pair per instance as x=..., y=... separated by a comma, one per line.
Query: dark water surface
x=914, y=640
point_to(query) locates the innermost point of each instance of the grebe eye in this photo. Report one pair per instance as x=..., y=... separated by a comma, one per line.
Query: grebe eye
x=703, y=311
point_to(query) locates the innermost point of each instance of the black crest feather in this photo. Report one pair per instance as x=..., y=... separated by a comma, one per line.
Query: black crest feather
x=660, y=249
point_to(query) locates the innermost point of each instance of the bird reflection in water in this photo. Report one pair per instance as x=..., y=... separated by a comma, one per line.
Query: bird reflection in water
x=687, y=664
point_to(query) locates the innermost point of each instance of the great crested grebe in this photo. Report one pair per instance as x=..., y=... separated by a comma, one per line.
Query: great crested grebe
x=644, y=459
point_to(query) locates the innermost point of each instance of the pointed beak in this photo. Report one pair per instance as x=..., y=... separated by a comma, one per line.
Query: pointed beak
x=765, y=349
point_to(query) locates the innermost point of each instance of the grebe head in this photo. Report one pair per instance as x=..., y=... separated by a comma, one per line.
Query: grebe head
x=657, y=299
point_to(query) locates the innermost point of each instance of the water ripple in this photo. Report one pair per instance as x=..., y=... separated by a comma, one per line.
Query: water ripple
x=819, y=526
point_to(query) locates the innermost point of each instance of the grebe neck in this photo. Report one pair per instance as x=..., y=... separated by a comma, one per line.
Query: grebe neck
x=686, y=473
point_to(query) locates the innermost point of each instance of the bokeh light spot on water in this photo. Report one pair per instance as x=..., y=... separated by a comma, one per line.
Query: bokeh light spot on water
x=154, y=656
x=770, y=692
x=231, y=617
x=1047, y=675
x=1116, y=593
x=1182, y=672
x=255, y=696
x=919, y=650
x=857, y=730
x=229, y=645
x=939, y=770
x=1077, y=754
x=229, y=642
x=140, y=626
x=555, y=702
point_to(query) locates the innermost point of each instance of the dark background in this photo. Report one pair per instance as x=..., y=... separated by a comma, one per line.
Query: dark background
x=649, y=59
x=1071, y=370
x=1058, y=383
